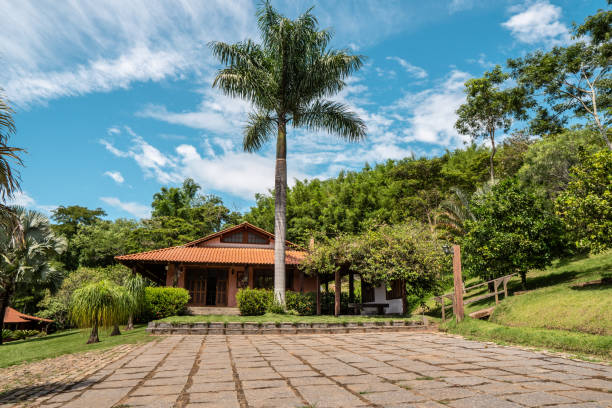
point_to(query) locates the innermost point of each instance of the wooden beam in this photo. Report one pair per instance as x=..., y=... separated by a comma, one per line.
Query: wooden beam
x=338, y=289
x=351, y=287
x=318, y=296
x=458, y=283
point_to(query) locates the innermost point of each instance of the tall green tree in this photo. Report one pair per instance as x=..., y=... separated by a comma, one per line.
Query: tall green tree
x=489, y=107
x=572, y=81
x=27, y=245
x=586, y=205
x=287, y=78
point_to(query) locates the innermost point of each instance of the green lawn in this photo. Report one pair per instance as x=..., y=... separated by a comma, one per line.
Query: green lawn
x=580, y=344
x=277, y=318
x=555, y=313
x=65, y=342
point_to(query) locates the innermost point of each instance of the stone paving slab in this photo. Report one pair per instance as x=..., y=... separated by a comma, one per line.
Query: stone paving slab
x=395, y=369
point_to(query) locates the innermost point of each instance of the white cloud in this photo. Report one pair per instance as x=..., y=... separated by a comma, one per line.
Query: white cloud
x=413, y=70
x=430, y=115
x=23, y=199
x=538, y=22
x=58, y=49
x=115, y=175
x=460, y=5
x=133, y=208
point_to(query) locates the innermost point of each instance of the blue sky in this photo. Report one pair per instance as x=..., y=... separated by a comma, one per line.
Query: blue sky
x=114, y=98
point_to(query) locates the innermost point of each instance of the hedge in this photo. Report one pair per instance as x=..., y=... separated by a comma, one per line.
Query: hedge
x=165, y=301
x=254, y=302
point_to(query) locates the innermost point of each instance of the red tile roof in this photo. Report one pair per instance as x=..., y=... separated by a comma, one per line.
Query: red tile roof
x=242, y=225
x=214, y=255
x=13, y=316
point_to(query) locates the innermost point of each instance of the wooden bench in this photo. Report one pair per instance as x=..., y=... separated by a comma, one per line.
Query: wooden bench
x=379, y=307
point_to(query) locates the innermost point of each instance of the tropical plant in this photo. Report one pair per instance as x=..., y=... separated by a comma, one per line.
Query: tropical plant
x=287, y=79
x=454, y=212
x=254, y=302
x=9, y=179
x=100, y=304
x=135, y=285
x=27, y=244
x=488, y=108
x=165, y=301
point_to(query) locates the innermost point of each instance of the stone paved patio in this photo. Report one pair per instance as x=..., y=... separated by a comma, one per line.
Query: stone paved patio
x=425, y=370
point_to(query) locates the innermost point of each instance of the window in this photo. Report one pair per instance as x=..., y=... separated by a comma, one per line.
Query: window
x=367, y=293
x=263, y=279
x=254, y=238
x=234, y=237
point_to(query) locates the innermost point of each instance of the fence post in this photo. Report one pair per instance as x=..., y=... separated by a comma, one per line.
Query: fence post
x=458, y=283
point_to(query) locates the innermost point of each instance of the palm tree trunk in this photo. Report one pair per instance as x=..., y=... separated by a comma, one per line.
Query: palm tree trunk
x=280, y=212
x=93, y=337
x=130, y=323
x=116, y=331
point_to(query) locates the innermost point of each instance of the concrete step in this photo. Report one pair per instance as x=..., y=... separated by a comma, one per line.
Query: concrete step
x=213, y=310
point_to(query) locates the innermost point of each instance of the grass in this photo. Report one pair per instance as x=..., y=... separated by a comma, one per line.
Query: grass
x=581, y=344
x=555, y=313
x=65, y=342
x=278, y=318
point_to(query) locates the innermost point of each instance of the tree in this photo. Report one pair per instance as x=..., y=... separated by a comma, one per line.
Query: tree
x=547, y=163
x=9, y=156
x=27, y=244
x=287, y=78
x=488, y=108
x=514, y=230
x=98, y=244
x=100, y=304
x=135, y=285
x=586, y=205
x=69, y=220
x=574, y=79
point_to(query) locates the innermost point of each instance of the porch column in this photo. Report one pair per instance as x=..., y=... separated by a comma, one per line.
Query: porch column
x=338, y=290
x=301, y=282
x=181, y=277
x=351, y=287
x=170, y=272
x=318, y=295
x=250, y=272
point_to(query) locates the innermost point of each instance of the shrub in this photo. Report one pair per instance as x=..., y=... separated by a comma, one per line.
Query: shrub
x=7, y=334
x=165, y=301
x=23, y=334
x=303, y=303
x=254, y=302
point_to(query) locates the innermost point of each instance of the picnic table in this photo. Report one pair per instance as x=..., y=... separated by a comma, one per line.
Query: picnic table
x=379, y=307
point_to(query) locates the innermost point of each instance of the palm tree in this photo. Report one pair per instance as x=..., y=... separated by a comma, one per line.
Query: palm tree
x=102, y=303
x=9, y=180
x=455, y=211
x=135, y=286
x=27, y=244
x=287, y=79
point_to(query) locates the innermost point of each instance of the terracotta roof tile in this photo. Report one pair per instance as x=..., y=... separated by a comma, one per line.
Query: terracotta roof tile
x=219, y=255
x=13, y=316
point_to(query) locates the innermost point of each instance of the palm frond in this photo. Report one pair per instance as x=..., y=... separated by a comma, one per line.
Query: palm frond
x=259, y=129
x=332, y=117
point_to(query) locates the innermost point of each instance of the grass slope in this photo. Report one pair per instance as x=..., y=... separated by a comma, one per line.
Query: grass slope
x=65, y=342
x=555, y=313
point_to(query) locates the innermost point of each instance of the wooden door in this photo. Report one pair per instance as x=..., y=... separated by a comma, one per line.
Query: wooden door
x=196, y=285
x=221, y=292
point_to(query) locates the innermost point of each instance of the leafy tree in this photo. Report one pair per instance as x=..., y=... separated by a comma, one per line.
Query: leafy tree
x=514, y=230
x=548, y=161
x=488, y=108
x=98, y=304
x=98, y=244
x=175, y=202
x=27, y=244
x=68, y=220
x=454, y=212
x=586, y=205
x=574, y=79
x=287, y=79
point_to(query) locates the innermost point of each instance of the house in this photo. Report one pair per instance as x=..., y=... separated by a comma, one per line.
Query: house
x=16, y=320
x=213, y=268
